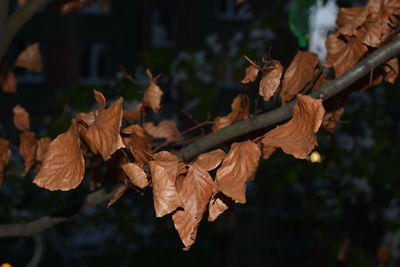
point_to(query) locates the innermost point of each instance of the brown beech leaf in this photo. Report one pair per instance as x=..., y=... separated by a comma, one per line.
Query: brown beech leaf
x=240, y=110
x=138, y=142
x=370, y=32
x=238, y=167
x=271, y=80
x=297, y=136
x=103, y=135
x=134, y=115
x=331, y=119
x=87, y=118
x=9, y=83
x=163, y=175
x=251, y=74
x=335, y=43
x=267, y=151
x=218, y=204
x=63, y=165
x=42, y=146
x=27, y=149
x=118, y=194
x=5, y=155
x=298, y=74
x=392, y=70
x=101, y=100
x=195, y=190
x=210, y=160
x=30, y=58
x=71, y=6
x=351, y=19
x=21, y=118
x=152, y=94
x=346, y=15
x=136, y=175
x=349, y=56
x=165, y=129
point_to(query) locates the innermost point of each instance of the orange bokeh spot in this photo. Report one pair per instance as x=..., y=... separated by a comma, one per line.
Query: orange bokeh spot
x=6, y=264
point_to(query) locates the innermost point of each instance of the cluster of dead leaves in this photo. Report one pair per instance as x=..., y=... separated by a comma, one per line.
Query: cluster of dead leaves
x=188, y=189
x=360, y=30
x=30, y=148
x=29, y=59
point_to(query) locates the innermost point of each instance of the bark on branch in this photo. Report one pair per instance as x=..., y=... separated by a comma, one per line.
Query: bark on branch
x=374, y=60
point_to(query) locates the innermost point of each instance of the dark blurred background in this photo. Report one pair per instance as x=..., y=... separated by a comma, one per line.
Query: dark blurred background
x=299, y=212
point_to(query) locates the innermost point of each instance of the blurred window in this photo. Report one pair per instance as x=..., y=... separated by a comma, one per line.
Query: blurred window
x=95, y=63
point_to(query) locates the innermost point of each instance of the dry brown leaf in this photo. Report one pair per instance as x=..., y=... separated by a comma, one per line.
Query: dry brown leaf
x=195, y=190
x=163, y=174
x=42, y=146
x=240, y=110
x=349, y=56
x=100, y=99
x=335, y=43
x=138, y=142
x=63, y=165
x=331, y=119
x=118, y=194
x=375, y=6
x=218, y=204
x=165, y=129
x=239, y=166
x=297, y=136
x=251, y=74
x=103, y=135
x=5, y=155
x=370, y=32
x=27, y=149
x=392, y=70
x=9, y=83
x=71, y=6
x=267, y=151
x=298, y=74
x=30, y=58
x=210, y=160
x=152, y=94
x=351, y=19
x=134, y=115
x=136, y=175
x=346, y=15
x=87, y=118
x=271, y=80
x=21, y=118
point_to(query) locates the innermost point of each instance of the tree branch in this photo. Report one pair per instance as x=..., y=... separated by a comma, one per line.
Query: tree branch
x=16, y=20
x=374, y=60
x=36, y=226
